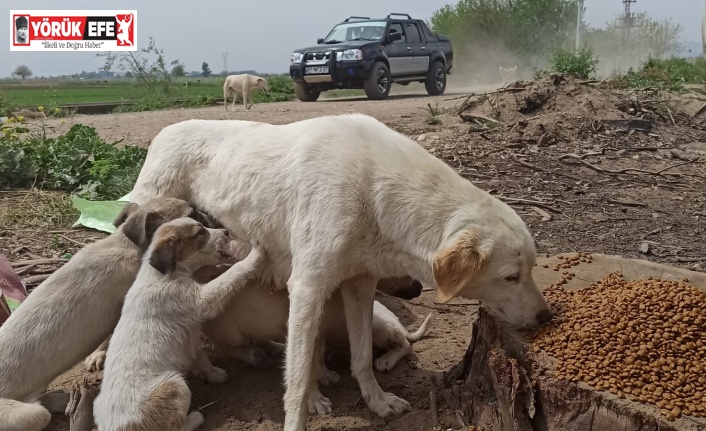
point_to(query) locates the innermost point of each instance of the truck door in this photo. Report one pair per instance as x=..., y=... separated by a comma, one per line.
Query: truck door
x=398, y=53
x=417, y=47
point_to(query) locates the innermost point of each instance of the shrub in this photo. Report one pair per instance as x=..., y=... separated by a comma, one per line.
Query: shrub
x=579, y=64
x=671, y=74
x=78, y=162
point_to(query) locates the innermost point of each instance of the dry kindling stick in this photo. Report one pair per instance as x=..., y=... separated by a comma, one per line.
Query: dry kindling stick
x=537, y=168
x=36, y=262
x=529, y=202
x=622, y=171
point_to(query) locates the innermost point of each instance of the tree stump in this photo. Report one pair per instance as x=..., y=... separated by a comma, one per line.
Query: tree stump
x=501, y=385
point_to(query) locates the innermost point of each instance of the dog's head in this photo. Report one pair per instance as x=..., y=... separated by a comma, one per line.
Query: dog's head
x=186, y=243
x=262, y=83
x=401, y=287
x=493, y=265
x=139, y=222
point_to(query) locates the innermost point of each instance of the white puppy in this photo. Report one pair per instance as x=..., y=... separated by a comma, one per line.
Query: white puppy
x=256, y=315
x=67, y=316
x=242, y=84
x=158, y=336
x=508, y=74
x=341, y=202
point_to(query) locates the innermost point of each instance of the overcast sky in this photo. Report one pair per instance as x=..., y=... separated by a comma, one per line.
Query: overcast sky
x=261, y=34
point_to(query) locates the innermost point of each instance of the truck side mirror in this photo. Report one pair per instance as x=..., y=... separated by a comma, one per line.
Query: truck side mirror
x=395, y=36
x=319, y=41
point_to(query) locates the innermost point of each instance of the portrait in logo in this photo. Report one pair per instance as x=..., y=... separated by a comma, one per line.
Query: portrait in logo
x=124, y=29
x=22, y=30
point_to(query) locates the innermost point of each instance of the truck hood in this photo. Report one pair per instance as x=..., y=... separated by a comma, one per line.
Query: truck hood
x=327, y=47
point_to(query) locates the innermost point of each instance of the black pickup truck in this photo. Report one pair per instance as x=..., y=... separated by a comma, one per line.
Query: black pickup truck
x=371, y=54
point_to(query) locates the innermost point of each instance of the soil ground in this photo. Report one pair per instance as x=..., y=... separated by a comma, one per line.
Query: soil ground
x=579, y=183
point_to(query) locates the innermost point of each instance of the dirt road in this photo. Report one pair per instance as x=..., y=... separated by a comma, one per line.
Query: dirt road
x=408, y=109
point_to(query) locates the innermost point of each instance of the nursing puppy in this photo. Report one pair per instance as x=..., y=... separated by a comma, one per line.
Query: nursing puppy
x=258, y=316
x=341, y=202
x=67, y=316
x=157, y=339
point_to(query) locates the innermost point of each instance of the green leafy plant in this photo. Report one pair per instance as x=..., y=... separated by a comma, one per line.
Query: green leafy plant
x=78, y=162
x=580, y=64
x=434, y=116
x=671, y=74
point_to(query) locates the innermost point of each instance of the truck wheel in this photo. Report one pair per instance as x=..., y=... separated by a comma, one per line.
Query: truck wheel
x=377, y=86
x=436, y=79
x=305, y=93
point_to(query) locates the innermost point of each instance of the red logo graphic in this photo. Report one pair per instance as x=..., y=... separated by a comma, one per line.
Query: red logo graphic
x=126, y=30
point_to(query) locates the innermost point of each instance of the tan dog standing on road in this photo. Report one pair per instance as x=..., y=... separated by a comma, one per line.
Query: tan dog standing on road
x=242, y=84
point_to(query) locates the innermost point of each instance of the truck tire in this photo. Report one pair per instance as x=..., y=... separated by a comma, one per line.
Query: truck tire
x=305, y=93
x=436, y=79
x=377, y=86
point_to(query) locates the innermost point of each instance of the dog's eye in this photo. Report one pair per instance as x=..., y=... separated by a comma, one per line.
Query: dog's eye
x=513, y=279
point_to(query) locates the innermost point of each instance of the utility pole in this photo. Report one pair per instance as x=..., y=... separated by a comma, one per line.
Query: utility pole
x=225, y=62
x=579, y=18
x=703, y=31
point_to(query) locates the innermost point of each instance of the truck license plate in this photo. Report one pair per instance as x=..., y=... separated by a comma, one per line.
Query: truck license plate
x=316, y=70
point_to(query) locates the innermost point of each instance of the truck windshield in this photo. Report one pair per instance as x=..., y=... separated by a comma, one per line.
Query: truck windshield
x=366, y=30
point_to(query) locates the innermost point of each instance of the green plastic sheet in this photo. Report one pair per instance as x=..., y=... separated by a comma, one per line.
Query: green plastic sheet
x=99, y=215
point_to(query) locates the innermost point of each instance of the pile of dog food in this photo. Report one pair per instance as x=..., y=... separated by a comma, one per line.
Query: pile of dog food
x=643, y=340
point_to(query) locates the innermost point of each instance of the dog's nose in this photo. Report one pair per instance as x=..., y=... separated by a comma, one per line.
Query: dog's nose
x=544, y=316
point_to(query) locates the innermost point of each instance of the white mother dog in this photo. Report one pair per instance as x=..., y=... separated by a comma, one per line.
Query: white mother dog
x=344, y=201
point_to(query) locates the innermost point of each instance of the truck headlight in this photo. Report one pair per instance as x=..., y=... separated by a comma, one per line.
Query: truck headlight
x=349, y=55
x=296, y=58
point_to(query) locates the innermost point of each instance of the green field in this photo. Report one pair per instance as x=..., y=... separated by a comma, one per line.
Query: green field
x=36, y=92
x=192, y=91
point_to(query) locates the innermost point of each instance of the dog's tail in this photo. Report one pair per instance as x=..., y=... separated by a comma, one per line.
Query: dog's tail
x=19, y=416
x=422, y=331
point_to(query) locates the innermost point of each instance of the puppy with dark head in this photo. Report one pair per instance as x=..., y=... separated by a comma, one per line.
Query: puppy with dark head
x=157, y=339
x=67, y=316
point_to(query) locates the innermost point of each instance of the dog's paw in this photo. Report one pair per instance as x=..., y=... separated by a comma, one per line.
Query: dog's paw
x=388, y=403
x=193, y=421
x=217, y=375
x=328, y=376
x=385, y=363
x=318, y=403
x=95, y=361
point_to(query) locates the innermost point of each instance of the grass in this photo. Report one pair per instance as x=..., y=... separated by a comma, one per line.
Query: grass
x=199, y=91
x=36, y=209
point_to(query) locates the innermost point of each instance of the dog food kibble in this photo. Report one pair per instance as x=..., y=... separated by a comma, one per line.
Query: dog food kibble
x=642, y=340
x=568, y=262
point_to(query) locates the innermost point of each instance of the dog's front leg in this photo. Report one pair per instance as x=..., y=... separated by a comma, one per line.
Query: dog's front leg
x=358, y=297
x=203, y=368
x=214, y=293
x=307, y=297
x=95, y=361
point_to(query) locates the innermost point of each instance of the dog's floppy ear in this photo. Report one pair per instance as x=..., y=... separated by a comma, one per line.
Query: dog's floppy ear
x=456, y=263
x=163, y=257
x=141, y=226
x=128, y=209
x=205, y=219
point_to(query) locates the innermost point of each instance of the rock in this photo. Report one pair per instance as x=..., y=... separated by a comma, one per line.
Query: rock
x=694, y=147
x=421, y=138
